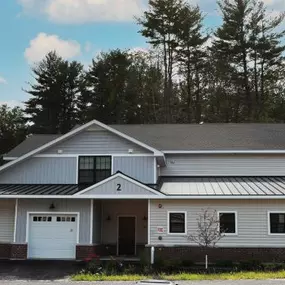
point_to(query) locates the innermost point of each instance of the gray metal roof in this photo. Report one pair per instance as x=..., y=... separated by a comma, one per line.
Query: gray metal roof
x=189, y=137
x=31, y=143
x=39, y=189
x=223, y=186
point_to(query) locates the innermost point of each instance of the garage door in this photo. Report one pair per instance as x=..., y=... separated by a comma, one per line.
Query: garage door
x=52, y=236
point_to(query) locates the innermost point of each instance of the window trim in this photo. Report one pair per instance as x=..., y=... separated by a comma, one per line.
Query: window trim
x=92, y=155
x=185, y=223
x=268, y=223
x=236, y=222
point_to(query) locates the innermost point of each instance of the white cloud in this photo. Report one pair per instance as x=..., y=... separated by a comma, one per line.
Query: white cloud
x=3, y=80
x=43, y=43
x=83, y=11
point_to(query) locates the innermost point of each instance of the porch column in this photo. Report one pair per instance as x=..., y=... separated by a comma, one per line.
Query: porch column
x=91, y=220
x=148, y=221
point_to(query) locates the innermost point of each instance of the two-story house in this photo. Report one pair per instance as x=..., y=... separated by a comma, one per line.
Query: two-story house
x=122, y=189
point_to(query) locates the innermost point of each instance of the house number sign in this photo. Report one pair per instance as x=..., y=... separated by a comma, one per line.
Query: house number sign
x=119, y=187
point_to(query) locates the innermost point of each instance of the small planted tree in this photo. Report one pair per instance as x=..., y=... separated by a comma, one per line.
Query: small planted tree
x=208, y=231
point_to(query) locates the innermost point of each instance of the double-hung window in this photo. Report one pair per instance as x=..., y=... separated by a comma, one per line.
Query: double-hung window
x=228, y=223
x=277, y=223
x=177, y=222
x=93, y=169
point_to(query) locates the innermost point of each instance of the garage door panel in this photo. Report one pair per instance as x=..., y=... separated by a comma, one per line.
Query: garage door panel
x=52, y=236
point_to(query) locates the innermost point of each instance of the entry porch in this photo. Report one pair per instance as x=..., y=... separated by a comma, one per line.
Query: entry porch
x=119, y=228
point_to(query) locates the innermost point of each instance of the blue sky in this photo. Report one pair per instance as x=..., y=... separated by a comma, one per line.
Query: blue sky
x=76, y=29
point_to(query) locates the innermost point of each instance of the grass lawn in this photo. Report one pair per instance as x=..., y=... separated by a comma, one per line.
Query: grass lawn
x=183, y=276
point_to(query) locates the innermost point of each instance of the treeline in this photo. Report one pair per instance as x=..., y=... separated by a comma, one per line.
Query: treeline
x=233, y=74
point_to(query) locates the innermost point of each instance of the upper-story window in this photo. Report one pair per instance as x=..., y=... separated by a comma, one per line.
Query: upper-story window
x=93, y=169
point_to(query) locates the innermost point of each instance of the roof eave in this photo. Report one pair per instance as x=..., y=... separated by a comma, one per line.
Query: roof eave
x=224, y=151
x=74, y=132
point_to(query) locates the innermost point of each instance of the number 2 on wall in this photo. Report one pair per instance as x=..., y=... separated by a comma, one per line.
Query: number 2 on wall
x=119, y=187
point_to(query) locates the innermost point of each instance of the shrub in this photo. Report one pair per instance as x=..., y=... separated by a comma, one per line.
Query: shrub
x=187, y=263
x=273, y=266
x=224, y=263
x=250, y=265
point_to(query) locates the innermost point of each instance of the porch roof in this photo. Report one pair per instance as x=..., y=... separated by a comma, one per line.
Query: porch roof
x=40, y=189
x=223, y=186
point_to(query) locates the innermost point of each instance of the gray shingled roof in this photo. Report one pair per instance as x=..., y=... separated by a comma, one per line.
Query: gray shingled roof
x=189, y=137
x=40, y=189
x=209, y=136
x=31, y=143
x=223, y=186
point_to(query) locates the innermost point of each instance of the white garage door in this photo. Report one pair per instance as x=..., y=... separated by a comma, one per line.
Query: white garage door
x=52, y=236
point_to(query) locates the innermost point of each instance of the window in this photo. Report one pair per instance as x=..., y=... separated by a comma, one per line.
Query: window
x=277, y=223
x=65, y=219
x=177, y=222
x=41, y=219
x=93, y=169
x=228, y=222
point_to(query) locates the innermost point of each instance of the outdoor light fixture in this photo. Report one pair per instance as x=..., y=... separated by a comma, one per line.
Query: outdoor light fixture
x=159, y=206
x=145, y=218
x=52, y=206
x=108, y=218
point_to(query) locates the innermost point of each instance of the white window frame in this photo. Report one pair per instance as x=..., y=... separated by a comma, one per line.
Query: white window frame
x=168, y=222
x=268, y=223
x=236, y=222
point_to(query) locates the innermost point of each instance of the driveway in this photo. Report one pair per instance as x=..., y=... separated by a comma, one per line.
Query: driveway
x=37, y=270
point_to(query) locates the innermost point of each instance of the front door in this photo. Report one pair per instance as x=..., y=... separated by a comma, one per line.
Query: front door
x=126, y=235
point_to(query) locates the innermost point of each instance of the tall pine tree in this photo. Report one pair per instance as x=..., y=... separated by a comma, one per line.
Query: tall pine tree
x=160, y=25
x=53, y=106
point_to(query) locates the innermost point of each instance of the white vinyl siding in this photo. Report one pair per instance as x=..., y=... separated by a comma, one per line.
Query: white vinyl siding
x=140, y=168
x=45, y=170
x=7, y=216
x=252, y=221
x=96, y=142
x=224, y=165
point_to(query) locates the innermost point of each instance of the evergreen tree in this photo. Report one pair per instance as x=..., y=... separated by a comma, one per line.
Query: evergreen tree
x=160, y=25
x=122, y=87
x=192, y=58
x=106, y=87
x=53, y=106
x=248, y=41
x=13, y=129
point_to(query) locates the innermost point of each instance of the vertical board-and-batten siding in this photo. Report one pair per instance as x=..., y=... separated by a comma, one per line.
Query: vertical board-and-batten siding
x=45, y=170
x=7, y=216
x=224, y=165
x=64, y=205
x=140, y=168
x=252, y=221
x=96, y=142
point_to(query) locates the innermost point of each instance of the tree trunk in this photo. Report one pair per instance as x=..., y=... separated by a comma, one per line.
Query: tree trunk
x=246, y=85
